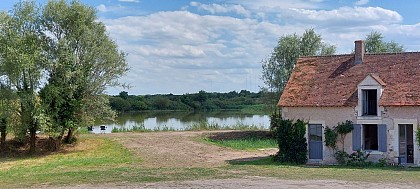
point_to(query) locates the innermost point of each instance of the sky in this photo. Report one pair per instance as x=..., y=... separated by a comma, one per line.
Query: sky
x=184, y=46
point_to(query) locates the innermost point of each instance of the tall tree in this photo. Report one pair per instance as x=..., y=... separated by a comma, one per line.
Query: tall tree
x=278, y=67
x=21, y=59
x=375, y=44
x=83, y=61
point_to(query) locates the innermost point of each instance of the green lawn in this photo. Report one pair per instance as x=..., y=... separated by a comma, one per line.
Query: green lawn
x=246, y=144
x=92, y=158
x=267, y=168
x=97, y=160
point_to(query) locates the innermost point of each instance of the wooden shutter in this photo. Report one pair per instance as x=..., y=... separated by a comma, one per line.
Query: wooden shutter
x=357, y=137
x=382, y=142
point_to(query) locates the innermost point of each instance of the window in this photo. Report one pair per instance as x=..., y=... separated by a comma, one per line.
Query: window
x=370, y=139
x=369, y=102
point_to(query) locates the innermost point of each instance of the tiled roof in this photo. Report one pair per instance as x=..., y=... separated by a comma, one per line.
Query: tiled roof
x=333, y=80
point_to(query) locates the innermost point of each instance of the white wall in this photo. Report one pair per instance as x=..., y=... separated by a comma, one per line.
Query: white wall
x=330, y=116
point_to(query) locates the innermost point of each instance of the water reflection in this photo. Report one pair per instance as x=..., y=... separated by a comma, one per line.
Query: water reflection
x=179, y=120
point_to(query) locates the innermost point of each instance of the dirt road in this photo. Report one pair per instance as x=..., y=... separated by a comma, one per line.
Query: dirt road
x=182, y=149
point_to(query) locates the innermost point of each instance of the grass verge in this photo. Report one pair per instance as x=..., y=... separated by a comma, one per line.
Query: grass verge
x=243, y=140
x=245, y=144
x=90, y=158
x=265, y=167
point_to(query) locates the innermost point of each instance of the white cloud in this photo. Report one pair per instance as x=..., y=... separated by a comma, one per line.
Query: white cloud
x=165, y=48
x=348, y=16
x=104, y=8
x=275, y=6
x=361, y=2
x=225, y=8
x=129, y=1
x=101, y=8
x=182, y=52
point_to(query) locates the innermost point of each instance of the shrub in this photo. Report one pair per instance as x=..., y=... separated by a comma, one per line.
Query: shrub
x=341, y=157
x=291, y=139
x=330, y=138
x=343, y=129
x=418, y=136
x=359, y=159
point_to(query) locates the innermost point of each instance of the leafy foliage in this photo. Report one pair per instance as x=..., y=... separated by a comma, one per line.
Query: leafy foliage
x=290, y=138
x=359, y=159
x=65, y=44
x=21, y=63
x=342, y=157
x=278, y=67
x=331, y=137
x=418, y=136
x=82, y=62
x=343, y=129
x=375, y=44
x=196, y=101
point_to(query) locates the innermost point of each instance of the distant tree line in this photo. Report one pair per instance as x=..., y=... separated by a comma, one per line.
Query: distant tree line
x=123, y=102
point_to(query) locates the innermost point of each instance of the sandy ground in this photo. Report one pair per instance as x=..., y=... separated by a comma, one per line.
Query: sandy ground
x=250, y=182
x=182, y=149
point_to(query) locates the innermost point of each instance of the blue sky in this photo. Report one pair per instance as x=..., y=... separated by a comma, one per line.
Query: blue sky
x=181, y=46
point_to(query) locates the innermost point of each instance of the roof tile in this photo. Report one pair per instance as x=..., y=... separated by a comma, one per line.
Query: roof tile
x=333, y=80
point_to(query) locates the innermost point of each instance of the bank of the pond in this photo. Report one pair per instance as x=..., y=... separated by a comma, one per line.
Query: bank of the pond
x=182, y=120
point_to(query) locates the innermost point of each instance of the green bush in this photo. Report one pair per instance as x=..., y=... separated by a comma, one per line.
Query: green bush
x=290, y=138
x=359, y=159
x=418, y=136
x=331, y=138
x=342, y=157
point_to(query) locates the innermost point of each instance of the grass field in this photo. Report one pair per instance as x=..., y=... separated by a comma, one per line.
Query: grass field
x=250, y=143
x=99, y=160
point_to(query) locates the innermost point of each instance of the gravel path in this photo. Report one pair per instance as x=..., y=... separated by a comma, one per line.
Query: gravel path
x=252, y=182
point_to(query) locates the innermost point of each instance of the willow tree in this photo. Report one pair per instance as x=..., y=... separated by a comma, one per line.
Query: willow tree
x=83, y=61
x=21, y=57
x=278, y=67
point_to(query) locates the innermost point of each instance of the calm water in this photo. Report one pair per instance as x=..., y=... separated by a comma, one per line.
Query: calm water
x=182, y=120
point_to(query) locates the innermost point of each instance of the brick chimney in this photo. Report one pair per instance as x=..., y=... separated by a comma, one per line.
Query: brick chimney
x=359, y=51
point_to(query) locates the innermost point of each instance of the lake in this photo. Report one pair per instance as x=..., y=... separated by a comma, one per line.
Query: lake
x=179, y=120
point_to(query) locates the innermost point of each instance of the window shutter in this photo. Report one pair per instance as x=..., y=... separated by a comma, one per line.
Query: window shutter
x=382, y=142
x=357, y=137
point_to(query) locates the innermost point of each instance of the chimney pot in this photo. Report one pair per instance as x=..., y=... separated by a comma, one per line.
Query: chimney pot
x=359, y=51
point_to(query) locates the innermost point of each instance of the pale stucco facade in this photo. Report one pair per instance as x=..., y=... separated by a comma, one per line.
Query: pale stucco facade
x=392, y=117
x=331, y=116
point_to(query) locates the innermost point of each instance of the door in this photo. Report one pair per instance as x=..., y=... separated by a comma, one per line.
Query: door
x=315, y=141
x=406, y=143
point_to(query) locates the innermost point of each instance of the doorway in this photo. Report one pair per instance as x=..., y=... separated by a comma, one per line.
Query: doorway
x=406, y=143
x=315, y=141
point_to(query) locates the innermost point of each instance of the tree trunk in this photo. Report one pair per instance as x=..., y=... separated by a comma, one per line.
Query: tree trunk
x=32, y=141
x=3, y=130
x=70, y=137
x=55, y=143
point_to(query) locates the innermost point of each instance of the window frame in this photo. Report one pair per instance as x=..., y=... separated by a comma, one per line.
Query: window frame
x=369, y=105
x=365, y=132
